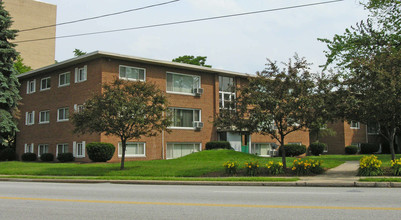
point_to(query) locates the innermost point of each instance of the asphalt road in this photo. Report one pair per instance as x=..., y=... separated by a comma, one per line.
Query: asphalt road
x=25, y=200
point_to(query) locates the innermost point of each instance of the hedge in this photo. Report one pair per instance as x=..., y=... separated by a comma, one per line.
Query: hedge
x=292, y=150
x=351, y=149
x=8, y=154
x=28, y=157
x=317, y=148
x=47, y=157
x=100, y=152
x=65, y=157
x=218, y=145
x=368, y=148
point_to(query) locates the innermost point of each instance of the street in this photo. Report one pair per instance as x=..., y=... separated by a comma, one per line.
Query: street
x=29, y=200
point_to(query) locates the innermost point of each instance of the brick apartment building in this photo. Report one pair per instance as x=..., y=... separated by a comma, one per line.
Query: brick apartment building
x=195, y=94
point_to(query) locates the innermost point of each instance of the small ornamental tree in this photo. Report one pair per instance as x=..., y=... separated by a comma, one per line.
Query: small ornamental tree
x=126, y=109
x=199, y=60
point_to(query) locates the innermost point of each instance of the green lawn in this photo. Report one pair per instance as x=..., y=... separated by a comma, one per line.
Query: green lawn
x=193, y=165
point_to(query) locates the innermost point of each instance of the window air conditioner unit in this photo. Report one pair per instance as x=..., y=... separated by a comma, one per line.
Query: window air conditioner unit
x=198, y=91
x=198, y=125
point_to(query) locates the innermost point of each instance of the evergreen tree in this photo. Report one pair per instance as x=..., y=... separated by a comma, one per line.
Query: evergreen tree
x=9, y=95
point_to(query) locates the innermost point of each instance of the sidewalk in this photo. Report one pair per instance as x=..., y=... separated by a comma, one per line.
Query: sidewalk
x=341, y=176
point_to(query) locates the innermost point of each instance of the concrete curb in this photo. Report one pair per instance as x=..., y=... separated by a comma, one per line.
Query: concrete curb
x=220, y=183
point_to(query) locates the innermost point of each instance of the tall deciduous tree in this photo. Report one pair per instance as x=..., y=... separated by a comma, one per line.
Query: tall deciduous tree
x=9, y=95
x=199, y=60
x=20, y=67
x=78, y=52
x=128, y=110
x=368, y=59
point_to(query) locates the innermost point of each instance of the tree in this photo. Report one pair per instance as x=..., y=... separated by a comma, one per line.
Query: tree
x=368, y=60
x=78, y=52
x=20, y=67
x=9, y=94
x=276, y=102
x=125, y=109
x=199, y=60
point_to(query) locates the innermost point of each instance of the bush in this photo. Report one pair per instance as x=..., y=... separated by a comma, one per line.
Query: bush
x=218, y=145
x=8, y=154
x=396, y=167
x=307, y=167
x=292, y=150
x=47, y=157
x=100, y=152
x=274, y=168
x=231, y=167
x=367, y=148
x=317, y=148
x=252, y=168
x=351, y=149
x=28, y=157
x=65, y=157
x=370, y=166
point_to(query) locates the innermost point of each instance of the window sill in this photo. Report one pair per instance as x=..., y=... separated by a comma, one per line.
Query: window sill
x=44, y=89
x=128, y=79
x=182, y=128
x=81, y=81
x=62, y=120
x=41, y=123
x=180, y=93
x=64, y=85
x=131, y=156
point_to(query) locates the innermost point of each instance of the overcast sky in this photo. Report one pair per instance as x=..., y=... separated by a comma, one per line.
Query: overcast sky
x=239, y=44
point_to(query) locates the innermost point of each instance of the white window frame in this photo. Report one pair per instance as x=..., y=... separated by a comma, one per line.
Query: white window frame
x=30, y=118
x=131, y=155
x=358, y=145
x=184, y=93
x=75, y=149
x=78, y=108
x=193, y=117
x=326, y=148
x=59, y=79
x=47, y=79
x=231, y=94
x=78, y=75
x=373, y=133
x=132, y=79
x=65, y=148
x=297, y=143
x=41, y=121
x=31, y=86
x=29, y=148
x=173, y=143
x=253, y=146
x=45, y=146
x=66, y=109
x=357, y=123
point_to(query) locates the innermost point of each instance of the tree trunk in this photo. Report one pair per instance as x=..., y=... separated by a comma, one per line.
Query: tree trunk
x=391, y=140
x=283, y=159
x=124, y=146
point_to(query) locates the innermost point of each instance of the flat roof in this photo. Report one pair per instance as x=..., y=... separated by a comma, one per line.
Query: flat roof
x=101, y=54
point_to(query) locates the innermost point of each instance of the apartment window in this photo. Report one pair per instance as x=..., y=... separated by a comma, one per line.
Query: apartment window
x=44, y=117
x=78, y=108
x=182, y=83
x=43, y=149
x=31, y=87
x=295, y=143
x=175, y=150
x=133, y=149
x=28, y=148
x=62, y=114
x=358, y=145
x=354, y=125
x=30, y=118
x=61, y=148
x=226, y=92
x=132, y=73
x=64, y=79
x=45, y=84
x=261, y=149
x=80, y=74
x=184, y=118
x=373, y=128
x=79, y=149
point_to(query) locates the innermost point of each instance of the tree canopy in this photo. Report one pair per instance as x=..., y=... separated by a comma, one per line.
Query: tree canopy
x=126, y=109
x=199, y=60
x=9, y=94
x=78, y=52
x=20, y=67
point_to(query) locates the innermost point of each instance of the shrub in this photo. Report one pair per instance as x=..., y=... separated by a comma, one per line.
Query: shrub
x=47, y=157
x=100, y=152
x=292, y=150
x=252, y=168
x=396, y=167
x=218, y=145
x=307, y=167
x=8, y=154
x=317, y=148
x=370, y=166
x=351, y=149
x=367, y=148
x=28, y=157
x=231, y=167
x=274, y=168
x=65, y=157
